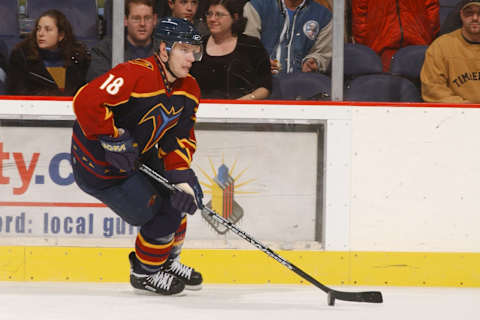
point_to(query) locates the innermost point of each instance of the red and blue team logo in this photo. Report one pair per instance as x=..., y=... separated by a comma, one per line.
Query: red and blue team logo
x=162, y=119
x=223, y=200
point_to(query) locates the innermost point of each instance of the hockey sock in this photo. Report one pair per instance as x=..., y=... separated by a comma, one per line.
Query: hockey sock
x=152, y=253
x=178, y=239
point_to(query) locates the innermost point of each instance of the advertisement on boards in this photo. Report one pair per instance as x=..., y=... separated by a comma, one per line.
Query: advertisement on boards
x=266, y=182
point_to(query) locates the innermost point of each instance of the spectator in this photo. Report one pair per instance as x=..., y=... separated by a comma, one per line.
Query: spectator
x=50, y=61
x=304, y=46
x=234, y=65
x=3, y=66
x=139, y=21
x=451, y=71
x=162, y=8
x=187, y=9
x=388, y=25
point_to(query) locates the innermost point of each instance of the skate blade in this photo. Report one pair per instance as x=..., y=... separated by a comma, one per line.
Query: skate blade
x=143, y=292
x=193, y=288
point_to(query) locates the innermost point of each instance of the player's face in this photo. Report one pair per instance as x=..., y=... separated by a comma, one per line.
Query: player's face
x=471, y=21
x=47, y=33
x=182, y=56
x=219, y=20
x=140, y=24
x=185, y=9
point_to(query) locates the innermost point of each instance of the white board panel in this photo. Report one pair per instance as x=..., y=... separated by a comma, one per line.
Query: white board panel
x=415, y=179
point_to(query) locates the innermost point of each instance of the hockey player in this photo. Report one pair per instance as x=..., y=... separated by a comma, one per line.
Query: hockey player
x=144, y=111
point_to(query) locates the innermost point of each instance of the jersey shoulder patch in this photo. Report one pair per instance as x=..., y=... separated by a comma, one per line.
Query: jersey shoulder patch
x=143, y=63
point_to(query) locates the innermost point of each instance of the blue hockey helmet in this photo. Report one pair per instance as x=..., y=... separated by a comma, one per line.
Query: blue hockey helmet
x=171, y=30
x=176, y=31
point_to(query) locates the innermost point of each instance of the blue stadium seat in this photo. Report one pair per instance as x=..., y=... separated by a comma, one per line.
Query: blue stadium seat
x=446, y=6
x=360, y=59
x=301, y=86
x=82, y=14
x=382, y=87
x=9, y=26
x=108, y=16
x=3, y=66
x=3, y=54
x=408, y=62
x=449, y=16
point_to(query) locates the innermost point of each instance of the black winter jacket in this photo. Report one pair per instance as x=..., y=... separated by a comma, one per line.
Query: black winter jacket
x=29, y=76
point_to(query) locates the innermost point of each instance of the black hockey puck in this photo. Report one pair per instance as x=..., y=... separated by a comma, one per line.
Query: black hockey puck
x=331, y=299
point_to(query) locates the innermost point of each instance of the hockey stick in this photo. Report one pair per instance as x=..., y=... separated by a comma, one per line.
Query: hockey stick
x=366, y=296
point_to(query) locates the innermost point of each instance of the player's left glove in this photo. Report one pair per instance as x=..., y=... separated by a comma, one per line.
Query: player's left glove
x=192, y=197
x=121, y=152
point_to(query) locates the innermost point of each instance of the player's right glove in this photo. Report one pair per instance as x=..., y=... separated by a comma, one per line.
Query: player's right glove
x=192, y=196
x=121, y=152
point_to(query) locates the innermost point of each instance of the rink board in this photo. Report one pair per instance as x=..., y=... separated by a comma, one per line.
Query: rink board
x=400, y=199
x=249, y=266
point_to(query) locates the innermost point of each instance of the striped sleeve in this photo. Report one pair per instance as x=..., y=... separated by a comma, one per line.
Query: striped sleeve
x=93, y=101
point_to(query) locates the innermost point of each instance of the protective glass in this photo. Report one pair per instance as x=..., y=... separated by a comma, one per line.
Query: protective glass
x=217, y=15
x=139, y=19
x=471, y=11
x=189, y=49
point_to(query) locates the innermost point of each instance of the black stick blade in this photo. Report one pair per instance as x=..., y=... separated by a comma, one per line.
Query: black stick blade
x=367, y=296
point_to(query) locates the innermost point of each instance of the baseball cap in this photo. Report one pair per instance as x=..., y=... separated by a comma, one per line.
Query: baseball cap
x=468, y=3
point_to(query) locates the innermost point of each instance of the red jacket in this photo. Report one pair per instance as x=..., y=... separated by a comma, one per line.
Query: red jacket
x=388, y=25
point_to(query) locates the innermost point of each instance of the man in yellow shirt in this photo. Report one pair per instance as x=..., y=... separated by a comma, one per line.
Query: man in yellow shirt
x=451, y=71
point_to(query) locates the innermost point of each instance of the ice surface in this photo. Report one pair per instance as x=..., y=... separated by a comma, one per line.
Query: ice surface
x=118, y=301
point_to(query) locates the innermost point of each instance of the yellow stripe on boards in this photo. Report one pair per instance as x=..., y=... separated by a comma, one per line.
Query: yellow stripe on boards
x=86, y=264
x=416, y=269
x=12, y=263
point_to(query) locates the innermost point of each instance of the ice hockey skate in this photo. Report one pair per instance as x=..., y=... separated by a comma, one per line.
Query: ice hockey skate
x=161, y=282
x=192, y=279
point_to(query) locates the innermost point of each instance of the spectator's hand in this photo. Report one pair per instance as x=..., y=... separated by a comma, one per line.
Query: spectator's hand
x=274, y=66
x=310, y=65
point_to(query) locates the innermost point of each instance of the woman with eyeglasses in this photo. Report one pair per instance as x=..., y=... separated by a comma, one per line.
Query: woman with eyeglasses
x=234, y=65
x=50, y=61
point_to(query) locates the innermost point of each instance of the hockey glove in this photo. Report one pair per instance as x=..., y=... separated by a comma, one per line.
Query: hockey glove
x=192, y=196
x=121, y=152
